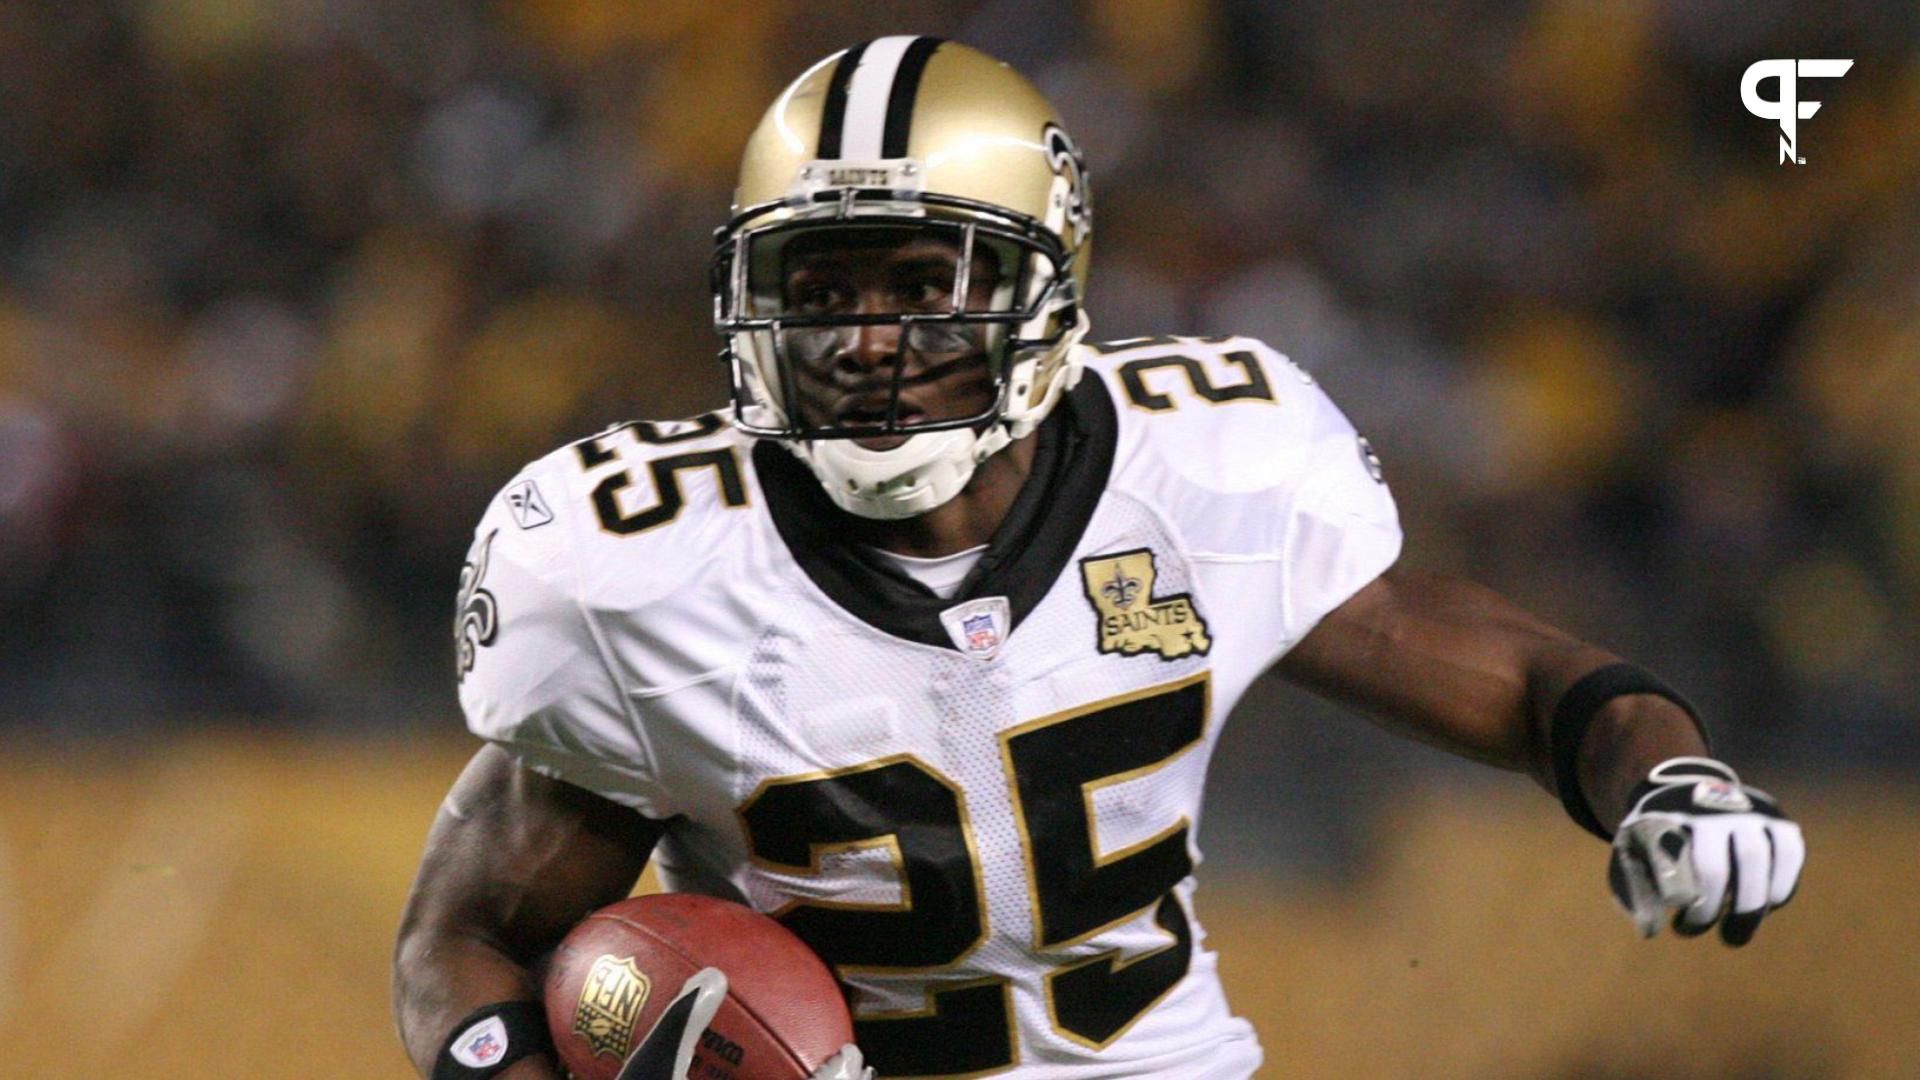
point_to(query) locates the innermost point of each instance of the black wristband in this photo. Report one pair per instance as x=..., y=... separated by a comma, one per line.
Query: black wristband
x=1575, y=713
x=491, y=1038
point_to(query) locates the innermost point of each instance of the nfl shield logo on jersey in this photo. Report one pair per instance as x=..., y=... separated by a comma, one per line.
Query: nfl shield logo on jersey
x=978, y=626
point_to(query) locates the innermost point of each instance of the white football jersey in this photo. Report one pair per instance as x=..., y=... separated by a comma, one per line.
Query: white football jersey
x=982, y=810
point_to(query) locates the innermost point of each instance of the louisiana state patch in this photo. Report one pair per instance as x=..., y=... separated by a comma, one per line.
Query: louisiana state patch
x=1131, y=619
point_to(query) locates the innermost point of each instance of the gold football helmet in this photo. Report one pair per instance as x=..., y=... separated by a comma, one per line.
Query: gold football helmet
x=901, y=141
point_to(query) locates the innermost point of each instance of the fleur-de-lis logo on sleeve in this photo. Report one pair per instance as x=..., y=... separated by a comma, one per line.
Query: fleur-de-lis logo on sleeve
x=476, y=616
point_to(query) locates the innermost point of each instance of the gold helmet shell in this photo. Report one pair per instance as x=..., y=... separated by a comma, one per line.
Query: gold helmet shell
x=932, y=138
x=977, y=128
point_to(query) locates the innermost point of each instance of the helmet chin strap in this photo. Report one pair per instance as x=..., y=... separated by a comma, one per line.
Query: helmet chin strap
x=925, y=471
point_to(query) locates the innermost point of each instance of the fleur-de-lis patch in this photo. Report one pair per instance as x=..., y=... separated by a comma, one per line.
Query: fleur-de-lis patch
x=1131, y=619
x=476, y=617
x=1120, y=589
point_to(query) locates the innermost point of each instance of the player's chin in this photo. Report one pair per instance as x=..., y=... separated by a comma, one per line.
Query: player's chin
x=881, y=442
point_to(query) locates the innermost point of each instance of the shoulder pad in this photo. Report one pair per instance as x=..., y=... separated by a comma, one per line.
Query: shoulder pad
x=1228, y=413
x=602, y=503
x=1240, y=447
x=631, y=481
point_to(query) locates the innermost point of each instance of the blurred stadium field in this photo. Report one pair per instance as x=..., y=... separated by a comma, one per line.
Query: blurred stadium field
x=224, y=906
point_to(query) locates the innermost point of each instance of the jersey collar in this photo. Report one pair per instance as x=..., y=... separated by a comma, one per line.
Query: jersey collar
x=1029, y=551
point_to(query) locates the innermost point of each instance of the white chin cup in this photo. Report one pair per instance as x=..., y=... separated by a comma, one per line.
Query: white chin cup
x=930, y=468
x=921, y=473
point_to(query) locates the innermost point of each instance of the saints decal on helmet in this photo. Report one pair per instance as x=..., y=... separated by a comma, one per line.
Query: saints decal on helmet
x=905, y=144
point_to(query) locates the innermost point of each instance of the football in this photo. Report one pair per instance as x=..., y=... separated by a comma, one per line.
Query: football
x=616, y=972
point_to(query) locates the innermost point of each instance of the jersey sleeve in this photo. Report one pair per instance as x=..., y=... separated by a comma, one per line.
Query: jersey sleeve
x=533, y=678
x=1340, y=528
x=1272, y=487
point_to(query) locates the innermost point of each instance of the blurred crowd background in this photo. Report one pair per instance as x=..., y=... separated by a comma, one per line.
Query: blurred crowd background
x=289, y=287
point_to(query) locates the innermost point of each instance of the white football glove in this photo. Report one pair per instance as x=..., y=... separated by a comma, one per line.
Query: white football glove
x=1698, y=841
x=845, y=1065
x=666, y=1053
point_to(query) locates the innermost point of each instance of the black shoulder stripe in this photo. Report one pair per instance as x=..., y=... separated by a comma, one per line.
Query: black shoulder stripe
x=833, y=113
x=906, y=87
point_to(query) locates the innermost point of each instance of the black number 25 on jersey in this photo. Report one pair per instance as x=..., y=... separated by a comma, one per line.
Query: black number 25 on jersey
x=900, y=803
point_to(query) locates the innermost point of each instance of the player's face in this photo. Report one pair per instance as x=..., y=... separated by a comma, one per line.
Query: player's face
x=845, y=375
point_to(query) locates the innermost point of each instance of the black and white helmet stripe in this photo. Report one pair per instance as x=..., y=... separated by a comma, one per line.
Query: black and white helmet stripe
x=869, y=108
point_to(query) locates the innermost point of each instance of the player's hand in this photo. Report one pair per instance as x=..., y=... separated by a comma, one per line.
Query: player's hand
x=845, y=1065
x=667, y=1051
x=1700, y=842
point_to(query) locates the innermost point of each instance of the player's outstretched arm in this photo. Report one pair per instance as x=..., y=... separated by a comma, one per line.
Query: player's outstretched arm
x=1454, y=664
x=514, y=860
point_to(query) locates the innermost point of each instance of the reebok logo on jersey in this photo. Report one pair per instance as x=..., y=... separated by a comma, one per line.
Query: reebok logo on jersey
x=529, y=509
x=1132, y=620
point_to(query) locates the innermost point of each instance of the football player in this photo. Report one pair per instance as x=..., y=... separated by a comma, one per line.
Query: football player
x=924, y=644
